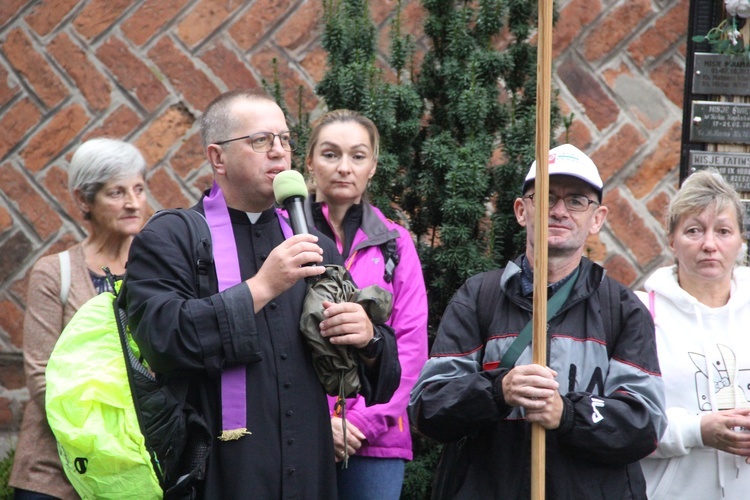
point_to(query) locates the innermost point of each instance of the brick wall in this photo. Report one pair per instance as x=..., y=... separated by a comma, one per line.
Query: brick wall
x=144, y=70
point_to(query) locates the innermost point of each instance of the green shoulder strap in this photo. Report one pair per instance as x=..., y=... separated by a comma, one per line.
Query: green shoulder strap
x=524, y=338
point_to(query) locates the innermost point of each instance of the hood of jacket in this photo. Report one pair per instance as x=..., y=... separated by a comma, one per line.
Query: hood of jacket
x=664, y=282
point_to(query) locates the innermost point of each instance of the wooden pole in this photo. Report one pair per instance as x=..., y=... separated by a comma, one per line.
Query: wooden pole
x=541, y=202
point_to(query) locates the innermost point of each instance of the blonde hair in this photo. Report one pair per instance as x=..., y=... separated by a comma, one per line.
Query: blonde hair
x=343, y=116
x=701, y=190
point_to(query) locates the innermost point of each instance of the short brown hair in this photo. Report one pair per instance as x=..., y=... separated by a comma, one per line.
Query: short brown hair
x=217, y=122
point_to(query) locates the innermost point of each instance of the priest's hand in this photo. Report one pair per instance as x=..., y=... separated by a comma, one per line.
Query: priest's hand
x=346, y=323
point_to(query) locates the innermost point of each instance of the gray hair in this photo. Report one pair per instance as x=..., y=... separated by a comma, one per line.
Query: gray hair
x=99, y=161
x=217, y=121
x=701, y=190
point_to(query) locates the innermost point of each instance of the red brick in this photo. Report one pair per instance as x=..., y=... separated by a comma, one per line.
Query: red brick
x=669, y=76
x=617, y=151
x=204, y=181
x=258, y=21
x=611, y=74
x=16, y=122
x=642, y=99
x=664, y=159
x=412, y=20
x=291, y=80
x=7, y=422
x=98, y=15
x=132, y=73
x=629, y=227
x=619, y=24
x=119, y=123
x=380, y=11
x=178, y=67
x=6, y=221
x=189, y=157
x=573, y=18
x=668, y=30
x=204, y=19
x=15, y=249
x=163, y=133
x=658, y=206
x=9, y=8
x=600, y=109
x=56, y=183
x=578, y=134
x=47, y=14
x=94, y=87
x=304, y=25
x=314, y=63
x=149, y=18
x=595, y=249
x=12, y=376
x=48, y=142
x=619, y=269
x=34, y=68
x=31, y=205
x=226, y=65
x=166, y=190
x=6, y=90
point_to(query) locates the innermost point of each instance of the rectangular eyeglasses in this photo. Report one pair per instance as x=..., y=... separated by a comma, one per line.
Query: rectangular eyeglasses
x=573, y=202
x=262, y=142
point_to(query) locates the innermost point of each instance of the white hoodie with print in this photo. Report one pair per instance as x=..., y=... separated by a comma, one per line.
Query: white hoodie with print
x=704, y=354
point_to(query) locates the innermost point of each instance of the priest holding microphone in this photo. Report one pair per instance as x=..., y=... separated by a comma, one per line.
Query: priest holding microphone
x=250, y=372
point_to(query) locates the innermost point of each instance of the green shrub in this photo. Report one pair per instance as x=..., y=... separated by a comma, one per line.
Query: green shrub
x=6, y=464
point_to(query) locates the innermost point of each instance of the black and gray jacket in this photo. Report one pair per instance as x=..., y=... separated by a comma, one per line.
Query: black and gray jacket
x=600, y=343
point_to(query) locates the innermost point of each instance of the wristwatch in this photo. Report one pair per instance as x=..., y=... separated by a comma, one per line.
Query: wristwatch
x=374, y=347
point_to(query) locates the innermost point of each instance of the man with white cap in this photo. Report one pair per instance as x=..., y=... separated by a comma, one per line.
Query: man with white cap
x=600, y=397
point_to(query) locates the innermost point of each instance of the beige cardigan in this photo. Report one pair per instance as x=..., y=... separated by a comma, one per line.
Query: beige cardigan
x=36, y=465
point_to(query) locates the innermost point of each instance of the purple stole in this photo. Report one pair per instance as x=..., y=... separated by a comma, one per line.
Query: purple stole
x=233, y=380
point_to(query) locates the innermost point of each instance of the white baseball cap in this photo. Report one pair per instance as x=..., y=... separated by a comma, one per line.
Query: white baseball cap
x=569, y=160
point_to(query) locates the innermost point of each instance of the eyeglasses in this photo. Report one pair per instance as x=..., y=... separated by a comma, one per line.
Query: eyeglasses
x=573, y=202
x=262, y=142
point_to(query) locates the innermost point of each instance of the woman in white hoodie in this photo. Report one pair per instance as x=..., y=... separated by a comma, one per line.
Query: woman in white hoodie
x=701, y=309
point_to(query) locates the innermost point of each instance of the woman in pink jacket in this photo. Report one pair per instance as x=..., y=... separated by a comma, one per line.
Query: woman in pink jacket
x=342, y=157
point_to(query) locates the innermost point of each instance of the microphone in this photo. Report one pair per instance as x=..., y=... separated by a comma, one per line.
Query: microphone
x=290, y=191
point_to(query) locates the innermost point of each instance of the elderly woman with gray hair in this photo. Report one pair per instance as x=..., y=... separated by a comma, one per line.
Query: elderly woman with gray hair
x=701, y=309
x=107, y=182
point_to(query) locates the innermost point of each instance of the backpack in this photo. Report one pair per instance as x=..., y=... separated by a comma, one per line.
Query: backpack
x=120, y=433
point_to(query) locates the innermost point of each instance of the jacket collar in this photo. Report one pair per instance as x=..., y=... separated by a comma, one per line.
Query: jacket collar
x=372, y=225
x=589, y=279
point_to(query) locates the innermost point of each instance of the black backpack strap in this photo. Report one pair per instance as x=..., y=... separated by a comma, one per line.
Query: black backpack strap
x=489, y=294
x=200, y=242
x=391, y=258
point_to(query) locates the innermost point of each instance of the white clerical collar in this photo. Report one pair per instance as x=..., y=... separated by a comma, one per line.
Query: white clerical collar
x=253, y=216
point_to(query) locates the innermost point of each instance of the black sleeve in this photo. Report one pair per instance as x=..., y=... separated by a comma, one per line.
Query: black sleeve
x=381, y=381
